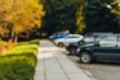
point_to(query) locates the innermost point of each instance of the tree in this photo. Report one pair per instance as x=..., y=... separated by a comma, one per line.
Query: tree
x=99, y=18
x=116, y=10
x=80, y=23
x=60, y=15
x=4, y=17
x=21, y=16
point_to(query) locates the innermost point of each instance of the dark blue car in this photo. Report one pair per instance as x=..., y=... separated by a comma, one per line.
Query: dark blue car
x=108, y=48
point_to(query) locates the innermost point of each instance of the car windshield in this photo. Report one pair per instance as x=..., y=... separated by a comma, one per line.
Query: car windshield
x=97, y=36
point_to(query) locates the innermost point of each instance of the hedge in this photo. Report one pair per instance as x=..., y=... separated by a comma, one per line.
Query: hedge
x=28, y=42
x=2, y=43
x=19, y=63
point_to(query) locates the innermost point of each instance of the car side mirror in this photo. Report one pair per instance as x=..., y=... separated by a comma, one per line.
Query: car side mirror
x=81, y=42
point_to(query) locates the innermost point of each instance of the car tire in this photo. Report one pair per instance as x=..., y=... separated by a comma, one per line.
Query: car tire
x=72, y=50
x=60, y=44
x=86, y=57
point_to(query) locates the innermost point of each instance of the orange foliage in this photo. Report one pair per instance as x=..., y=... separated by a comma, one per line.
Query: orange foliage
x=10, y=44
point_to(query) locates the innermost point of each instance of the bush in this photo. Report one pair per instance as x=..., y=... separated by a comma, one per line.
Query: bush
x=35, y=41
x=20, y=62
x=2, y=43
x=28, y=43
x=17, y=67
x=33, y=48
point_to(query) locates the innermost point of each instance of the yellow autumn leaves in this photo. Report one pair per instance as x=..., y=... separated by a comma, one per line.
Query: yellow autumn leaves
x=24, y=15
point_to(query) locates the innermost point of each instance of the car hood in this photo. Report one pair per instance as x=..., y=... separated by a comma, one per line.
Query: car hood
x=87, y=45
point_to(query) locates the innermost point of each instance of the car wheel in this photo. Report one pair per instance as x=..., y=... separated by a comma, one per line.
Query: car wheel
x=60, y=44
x=73, y=50
x=85, y=57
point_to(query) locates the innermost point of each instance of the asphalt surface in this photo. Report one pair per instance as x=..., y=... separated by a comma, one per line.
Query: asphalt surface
x=100, y=70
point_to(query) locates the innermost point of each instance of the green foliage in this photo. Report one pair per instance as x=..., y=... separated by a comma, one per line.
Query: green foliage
x=116, y=10
x=60, y=15
x=20, y=62
x=17, y=67
x=3, y=43
x=91, y=16
x=36, y=41
x=99, y=18
x=24, y=49
x=80, y=23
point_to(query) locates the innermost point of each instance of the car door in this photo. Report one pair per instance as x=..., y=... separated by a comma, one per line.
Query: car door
x=72, y=39
x=107, y=47
x=88, y=38
x=117, y=50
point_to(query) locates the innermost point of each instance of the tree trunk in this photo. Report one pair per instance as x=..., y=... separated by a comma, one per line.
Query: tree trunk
x=12, y=32
x=15, y=39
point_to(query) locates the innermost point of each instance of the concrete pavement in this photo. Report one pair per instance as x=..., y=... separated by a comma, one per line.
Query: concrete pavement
x=53, y=65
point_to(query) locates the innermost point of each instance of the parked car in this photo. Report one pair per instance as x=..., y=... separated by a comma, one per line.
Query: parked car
x=72, y=48
x=108, y=48
x=59, y=35
x=68, y=39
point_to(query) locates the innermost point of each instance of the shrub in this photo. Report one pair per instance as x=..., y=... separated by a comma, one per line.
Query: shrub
x=20, y=62
x=28, y=43
x=35, y=41
x=17, y=67
x=2, y=43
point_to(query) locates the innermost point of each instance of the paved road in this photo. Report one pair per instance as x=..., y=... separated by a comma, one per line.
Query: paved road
x=101, y=70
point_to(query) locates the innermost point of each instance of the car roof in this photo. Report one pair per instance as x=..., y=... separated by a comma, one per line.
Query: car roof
x=118, y=35
x=75, y=35
x=97, y=34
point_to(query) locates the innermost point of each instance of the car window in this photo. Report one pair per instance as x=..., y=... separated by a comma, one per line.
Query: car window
x=110, y=41
x=100, y=37
x=118, y=41
x=89, y=36
x=73, y=37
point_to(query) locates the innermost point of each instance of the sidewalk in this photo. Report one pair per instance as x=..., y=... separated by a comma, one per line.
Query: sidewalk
x=53, y=65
